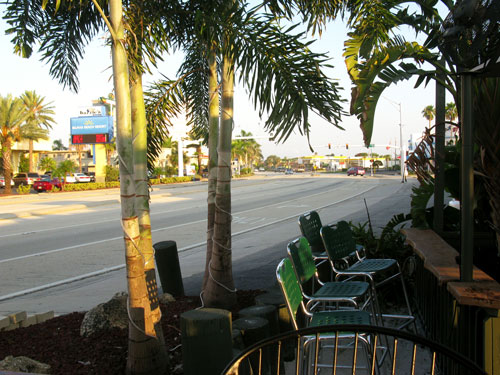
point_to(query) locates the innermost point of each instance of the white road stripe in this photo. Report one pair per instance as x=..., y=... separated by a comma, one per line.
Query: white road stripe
x=181, y=250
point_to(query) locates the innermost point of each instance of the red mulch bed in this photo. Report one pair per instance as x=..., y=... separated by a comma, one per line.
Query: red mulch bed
x=57, y=342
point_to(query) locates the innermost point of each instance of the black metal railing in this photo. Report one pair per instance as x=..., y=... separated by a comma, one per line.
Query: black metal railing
x=310, y=349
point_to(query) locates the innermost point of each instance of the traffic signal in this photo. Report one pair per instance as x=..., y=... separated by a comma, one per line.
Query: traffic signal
x=347, y=146
x=329, y=145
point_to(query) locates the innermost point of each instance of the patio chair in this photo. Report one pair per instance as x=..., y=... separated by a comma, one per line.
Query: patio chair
x=294, y=300
x=310, y=225
x=339, y=244
x=316, y=292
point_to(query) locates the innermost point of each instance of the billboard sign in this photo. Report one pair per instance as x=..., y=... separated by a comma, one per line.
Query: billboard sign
x=99, y=126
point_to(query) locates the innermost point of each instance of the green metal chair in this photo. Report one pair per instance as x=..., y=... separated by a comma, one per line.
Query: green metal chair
x=340, y=245
x=310, y=225
x=352, y=293
x=294, y=301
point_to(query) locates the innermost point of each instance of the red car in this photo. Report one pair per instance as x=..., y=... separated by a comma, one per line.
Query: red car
x=356, y=171
x=47, y=184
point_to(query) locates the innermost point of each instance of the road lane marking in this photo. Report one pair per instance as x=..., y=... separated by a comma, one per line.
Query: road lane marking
x=181, y=250
x=184, y=224
x=152, y=213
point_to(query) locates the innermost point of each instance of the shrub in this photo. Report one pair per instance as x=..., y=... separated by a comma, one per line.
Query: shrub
x=91, y=186
x=246, y=171
x=112, y=173
x=23, y=189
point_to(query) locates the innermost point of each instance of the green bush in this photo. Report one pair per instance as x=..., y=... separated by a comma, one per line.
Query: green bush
x=91, y=186
x=23, y=189
x=112, y=173
x=245, y=171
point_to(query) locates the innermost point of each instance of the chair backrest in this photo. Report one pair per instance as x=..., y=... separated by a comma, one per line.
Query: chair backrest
x=302, y=259
x=290, y=288
x=310, y=225
x=338, y=241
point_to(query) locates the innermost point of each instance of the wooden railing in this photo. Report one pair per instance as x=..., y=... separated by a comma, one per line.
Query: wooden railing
x=462, y=315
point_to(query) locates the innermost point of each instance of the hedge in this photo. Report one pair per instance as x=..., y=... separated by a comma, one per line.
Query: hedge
x=115, y=184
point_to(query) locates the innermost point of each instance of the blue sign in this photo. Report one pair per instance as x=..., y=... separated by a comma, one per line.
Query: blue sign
x=92, y=125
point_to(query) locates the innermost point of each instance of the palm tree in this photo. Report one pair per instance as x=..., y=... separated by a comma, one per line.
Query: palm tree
x=47, y=164
x=451, y=112
x=58, y=145
x=287, y=69
x=429, y=112
x=12, y=116
x=272, y=161
x=85, y=20
x=40, y=114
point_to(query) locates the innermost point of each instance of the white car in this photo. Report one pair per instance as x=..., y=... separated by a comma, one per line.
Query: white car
x=81, y=177
x=69, y=179
x=2, y=182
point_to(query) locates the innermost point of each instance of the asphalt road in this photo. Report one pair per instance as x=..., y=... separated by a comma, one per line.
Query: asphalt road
x=66, y=253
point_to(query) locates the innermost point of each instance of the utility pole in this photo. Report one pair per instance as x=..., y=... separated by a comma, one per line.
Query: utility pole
x=401, y=144
x=402, y=156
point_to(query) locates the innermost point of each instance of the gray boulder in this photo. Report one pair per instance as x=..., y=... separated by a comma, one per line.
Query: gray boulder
x=106, y=315
x=23, y=364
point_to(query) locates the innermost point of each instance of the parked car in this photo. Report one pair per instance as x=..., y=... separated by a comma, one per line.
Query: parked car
x=356, y=171
x=69, y=179
x=2, y=182
x=92, y=176
x=26, y=178
x=47, y=184
x=288, y=171
x=81, y=177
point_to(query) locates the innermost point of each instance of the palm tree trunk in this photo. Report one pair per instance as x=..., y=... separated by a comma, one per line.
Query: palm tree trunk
x=30, y=155
x=7, y=166
x=79, y=149
x=198, y=151
x=157, y=346
x=220, y=290
x=140, y=358
x=213, y=137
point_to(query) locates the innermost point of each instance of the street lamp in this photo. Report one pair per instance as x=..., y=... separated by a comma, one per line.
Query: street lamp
x=402, y=168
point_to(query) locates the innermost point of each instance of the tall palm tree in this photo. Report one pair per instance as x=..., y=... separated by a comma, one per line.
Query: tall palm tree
x=12, y=116
x=429, y=112
x=40, y=115
x=58, y=145
x=50, y=23
x=32, y=132
x=450, y=111
x=283, y=65
x=47, y=164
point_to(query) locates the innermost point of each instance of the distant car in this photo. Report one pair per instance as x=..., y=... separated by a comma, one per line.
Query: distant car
x=261, y=169
x=69, y=179
x=288, y=171
x=26, y=178
x=356, y=171
x=47, y=184
x=81, y=177
x=2, y=182
x=92, y=176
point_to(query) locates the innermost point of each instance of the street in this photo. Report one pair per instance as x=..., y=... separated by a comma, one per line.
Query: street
x=71, y=256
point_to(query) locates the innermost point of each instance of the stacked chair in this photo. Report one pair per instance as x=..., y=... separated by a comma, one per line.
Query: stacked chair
x=340, y=247
x=355, y=294
x=340, y=342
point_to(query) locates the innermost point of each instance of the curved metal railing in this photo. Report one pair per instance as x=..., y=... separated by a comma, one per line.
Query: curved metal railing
x=407, y=353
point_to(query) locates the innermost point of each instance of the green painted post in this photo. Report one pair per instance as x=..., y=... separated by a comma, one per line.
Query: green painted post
x=206, y=341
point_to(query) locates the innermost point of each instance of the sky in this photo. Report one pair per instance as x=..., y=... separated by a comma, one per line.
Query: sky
x=18, y=75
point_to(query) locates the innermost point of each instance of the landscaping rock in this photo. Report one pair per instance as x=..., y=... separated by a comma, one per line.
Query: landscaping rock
x=23, y=364
x=106, y=315
x=166, y=298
